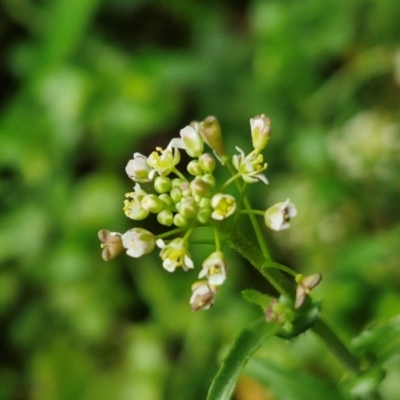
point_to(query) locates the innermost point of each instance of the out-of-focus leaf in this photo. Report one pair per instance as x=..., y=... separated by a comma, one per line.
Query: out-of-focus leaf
x=289, y=384
x=249, y=341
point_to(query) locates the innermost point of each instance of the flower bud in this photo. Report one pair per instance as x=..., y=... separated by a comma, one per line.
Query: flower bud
x=304, y=286
x=200, y=188
x=166, y=199
x=162, y=184
x=194, y=168
x=165, y=217
x=207, y=162
x=260, y=131
x=179, y=220
x=188, y=208
x=176, y=195
x=138, y=242
x=204, y=215
x=224, y=205
x=152, y=203
x=111, y=244
x=137, y=169
x=185, y=189
x=177, y=182
x=278, y=216
x=210, y=131
x=209, y=179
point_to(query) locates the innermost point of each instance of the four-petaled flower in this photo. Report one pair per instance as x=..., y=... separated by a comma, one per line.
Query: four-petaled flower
x=203, y=295
x=278, y=216
x=251, y=166
x=214, y=268
x=175, y=254
x=224, y=205
x=137, y=168
x=163, y=161
x=138, y=242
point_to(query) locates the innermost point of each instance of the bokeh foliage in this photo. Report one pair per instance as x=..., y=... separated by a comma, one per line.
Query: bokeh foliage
x=85, y=83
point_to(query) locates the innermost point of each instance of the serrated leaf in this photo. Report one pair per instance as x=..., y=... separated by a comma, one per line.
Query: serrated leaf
x=249, y=340
x=255, y=297
x=289, y=384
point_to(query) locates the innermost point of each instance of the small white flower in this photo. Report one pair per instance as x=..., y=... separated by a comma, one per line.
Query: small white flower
x=279, y=215
x=260, y=131
x=137, y=168
x=190, y=141
x=133, y=208
x=250, y=166
x=224, y=205
x=111, y=244
x=163, y=161
x=138, y=242
x=214, y=268
x=203, y=295
x=175, y=254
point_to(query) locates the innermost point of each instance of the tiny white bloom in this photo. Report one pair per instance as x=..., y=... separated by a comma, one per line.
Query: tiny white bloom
x=224, y=205
x=138, y=242
x=190, y=141
x=203, y=295
x=137, y=168
x=251, y=166
x=133, y=208
x=175, y=254
x=279, y=215
x=163, y=161
x=214, y=268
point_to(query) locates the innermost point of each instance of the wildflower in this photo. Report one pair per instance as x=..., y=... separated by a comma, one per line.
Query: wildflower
x=203, y=295
x=214, y=268
x=175, y=254
x=133, y=208
x=137, y=169
x=111, y=244
x=163, y=161
x=224, y=205
x=138, y=242
x=190, y=141
x=260, y=131
x=278, y=216
x=250, y=167
x=304, y=286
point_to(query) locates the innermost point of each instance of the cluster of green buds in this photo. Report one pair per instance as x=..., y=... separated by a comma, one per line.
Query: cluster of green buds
x=186, y=198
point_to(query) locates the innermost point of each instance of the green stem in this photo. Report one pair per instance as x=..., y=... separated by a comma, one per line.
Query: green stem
x=337, y=347
x=229, y=181
x=170, y=233
x=255, y=212
x=177, y=172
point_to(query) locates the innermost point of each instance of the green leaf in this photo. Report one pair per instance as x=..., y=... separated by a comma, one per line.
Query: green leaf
x=244, y=347
x=288, y=384
x=381, y=342
x=255, y=297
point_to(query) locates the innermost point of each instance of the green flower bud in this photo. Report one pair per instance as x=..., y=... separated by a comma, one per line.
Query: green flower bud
x=260, y=131
x=210, y=131
x=204, y=215
x=205, y=203
x=165, y=217
x=180, y=220
x=176, y=195
x=188, y=208
x=200, y=188
x=177, y=182
x=185, y=188
x=194, y=168
x=209, y=180
x=207, y=162
x=162, y=184
x=166, y=199
x=152, y=203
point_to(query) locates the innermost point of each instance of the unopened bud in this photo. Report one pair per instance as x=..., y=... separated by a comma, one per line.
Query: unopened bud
x=180, y=220
x=207, y=162
x=152, y=203
x=210, y=131
x=260, y=131
x=194, y=168
x=162, y=184
x=165, y=217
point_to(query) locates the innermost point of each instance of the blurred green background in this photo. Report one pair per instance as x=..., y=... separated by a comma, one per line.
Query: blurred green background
x=85, y=83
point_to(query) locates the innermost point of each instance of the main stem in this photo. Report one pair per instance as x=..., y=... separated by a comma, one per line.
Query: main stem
x=265, y=266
